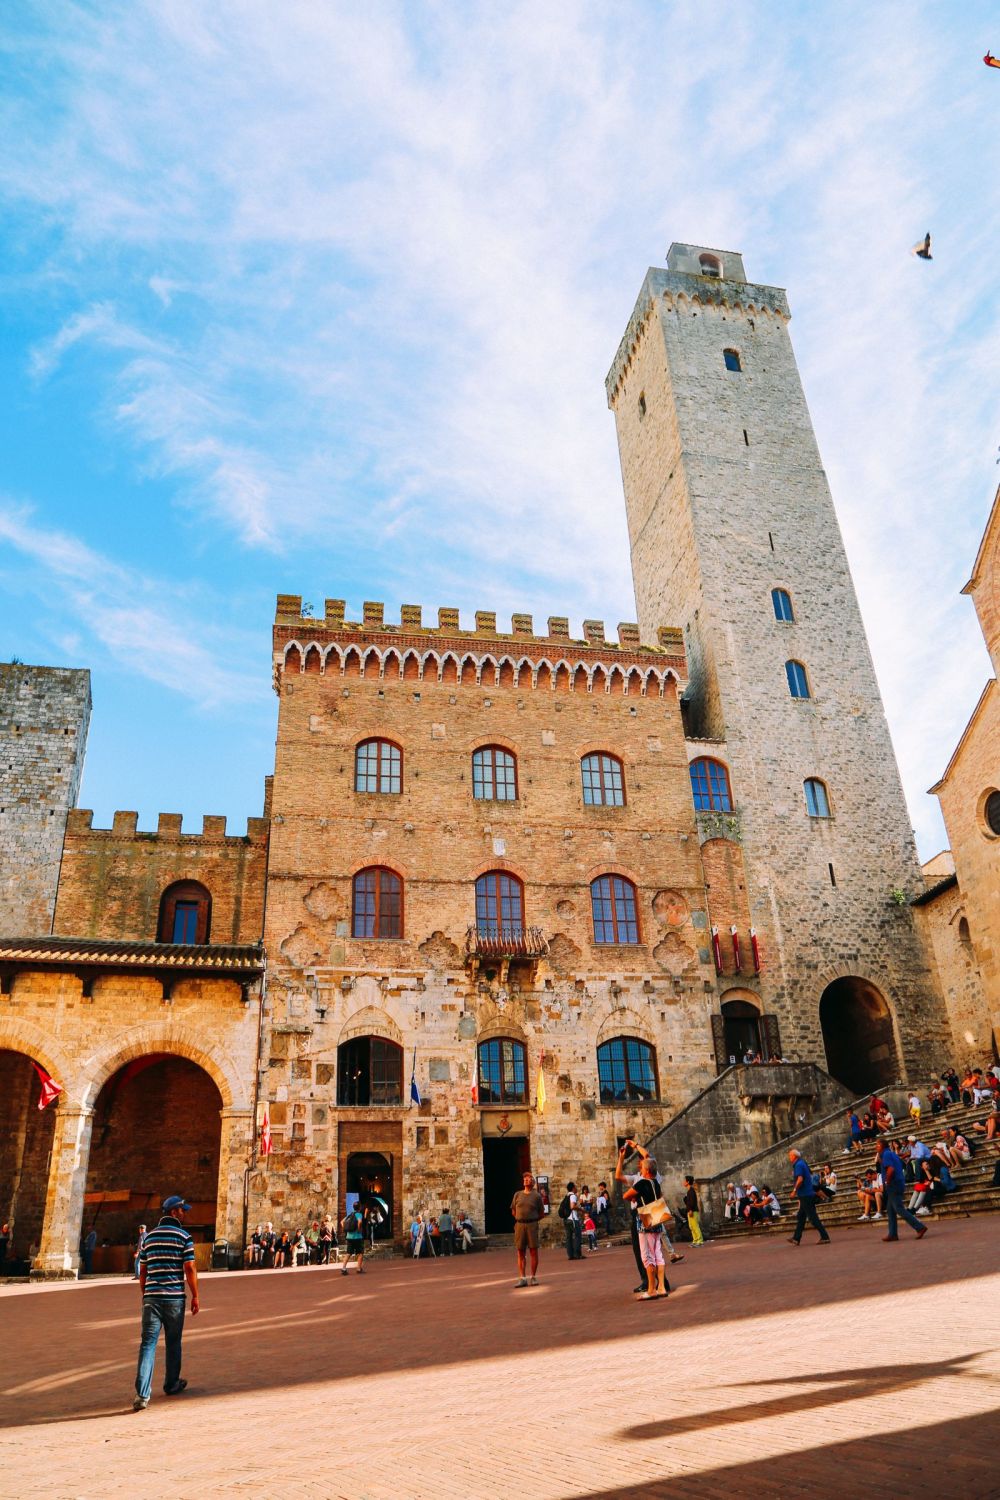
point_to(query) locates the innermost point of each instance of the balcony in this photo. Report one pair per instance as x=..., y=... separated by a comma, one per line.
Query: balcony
x=498, y=945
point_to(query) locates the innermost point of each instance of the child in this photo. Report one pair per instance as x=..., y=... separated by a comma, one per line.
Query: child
x=590, y=1230
x=915, y=1109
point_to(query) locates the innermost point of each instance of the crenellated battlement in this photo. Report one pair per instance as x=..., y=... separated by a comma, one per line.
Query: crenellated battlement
x=374, y=647
x=169, y=827
x=682, y=290
x=522, y=631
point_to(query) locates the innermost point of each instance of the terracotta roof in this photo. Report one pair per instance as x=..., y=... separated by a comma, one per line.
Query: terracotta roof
x=214, y=958
x=935, y=890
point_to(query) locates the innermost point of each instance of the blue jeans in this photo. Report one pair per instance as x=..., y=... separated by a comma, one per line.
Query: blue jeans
x=895, y=1209
x=166, y=1313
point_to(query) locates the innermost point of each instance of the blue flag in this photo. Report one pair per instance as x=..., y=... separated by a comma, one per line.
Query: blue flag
x=414, y=1091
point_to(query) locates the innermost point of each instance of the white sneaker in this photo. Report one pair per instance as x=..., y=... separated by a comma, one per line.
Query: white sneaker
x=863, y=1218
x=922, y=1211
x=876, y=1216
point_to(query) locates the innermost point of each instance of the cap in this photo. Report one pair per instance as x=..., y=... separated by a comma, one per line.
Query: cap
x=911, y=1137
x=176, y=1201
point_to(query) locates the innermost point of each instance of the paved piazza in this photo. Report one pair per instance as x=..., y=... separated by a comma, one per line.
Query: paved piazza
x=860, y=1369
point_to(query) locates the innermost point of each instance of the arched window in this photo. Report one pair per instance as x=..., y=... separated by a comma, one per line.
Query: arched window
x=710, y=265
x=710, y=786
x=603, y=781
x=377, y=904
x=991, y=812
x=732, y=359
x=817, y=801
x=378, y=767
x=369, y=1071
x=185, y=913
x=612, y=900
x=626, y=1070
x=964, y=935
x=782, y=601
x=499, y=906
x=503, y=1072
x=494, y=775
x=798, y=682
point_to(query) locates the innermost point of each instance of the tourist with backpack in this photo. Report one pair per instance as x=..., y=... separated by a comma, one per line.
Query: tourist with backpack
x=354, y=1230
x=569, y=1212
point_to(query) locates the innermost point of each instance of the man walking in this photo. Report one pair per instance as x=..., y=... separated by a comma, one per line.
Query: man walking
x=527, y=1208
x=447, y=1229
x=891, y=1168
x=804, y=1189
x=569, y=1212
x=166, y=1262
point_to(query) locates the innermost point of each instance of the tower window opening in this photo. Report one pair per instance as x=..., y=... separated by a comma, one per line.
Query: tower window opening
x=798, y=682
x=817, y=801
x=732, y=359
x=833, y=878
x=710, y=265
x=642, y=403
x=710, y=786
x=782, y=602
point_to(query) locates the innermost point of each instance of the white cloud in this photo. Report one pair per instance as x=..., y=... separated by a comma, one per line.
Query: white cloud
x=165, y=641
x=390, y=259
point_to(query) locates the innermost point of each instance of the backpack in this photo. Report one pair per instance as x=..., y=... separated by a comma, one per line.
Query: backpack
x=564, y=1208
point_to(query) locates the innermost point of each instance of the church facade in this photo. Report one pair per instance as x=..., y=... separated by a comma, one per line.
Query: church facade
x=515, y=894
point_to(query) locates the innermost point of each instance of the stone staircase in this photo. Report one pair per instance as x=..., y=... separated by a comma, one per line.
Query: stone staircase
x=975, y=1194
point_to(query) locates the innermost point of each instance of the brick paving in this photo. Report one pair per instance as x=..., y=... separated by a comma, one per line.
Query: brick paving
x=859, y=1368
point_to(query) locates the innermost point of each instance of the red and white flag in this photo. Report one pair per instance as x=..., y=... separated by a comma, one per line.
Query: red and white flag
x=475, y=1082
x=266, y=1144
x=50, y=1089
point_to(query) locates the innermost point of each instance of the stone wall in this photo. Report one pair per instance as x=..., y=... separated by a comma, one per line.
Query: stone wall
x=44, y=717
x=113, y=878
x=727, y=500
x=439, y=694
x=942, y=912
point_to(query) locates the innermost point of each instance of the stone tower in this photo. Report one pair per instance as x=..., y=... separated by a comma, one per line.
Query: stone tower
x=733, y=534
x=44, y=717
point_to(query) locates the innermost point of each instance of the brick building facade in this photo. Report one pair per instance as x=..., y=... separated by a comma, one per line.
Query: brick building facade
x=498, y=859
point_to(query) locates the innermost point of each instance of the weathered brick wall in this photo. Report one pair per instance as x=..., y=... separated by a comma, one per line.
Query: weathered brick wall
x=113, y=878
x=949, y=933
x=727, y=500
x=419, y=990
x=974, y=771
x=44, y=716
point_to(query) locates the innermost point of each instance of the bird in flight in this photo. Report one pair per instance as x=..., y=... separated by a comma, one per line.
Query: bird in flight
x=923, y=248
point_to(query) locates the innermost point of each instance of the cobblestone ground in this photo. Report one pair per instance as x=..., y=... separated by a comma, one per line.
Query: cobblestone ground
x=862, y=1368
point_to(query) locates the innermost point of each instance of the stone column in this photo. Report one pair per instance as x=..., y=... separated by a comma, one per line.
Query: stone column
x=58, y=1255
x=233, y=1159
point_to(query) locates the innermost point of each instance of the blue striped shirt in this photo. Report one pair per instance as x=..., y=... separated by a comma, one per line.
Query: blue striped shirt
x=165, y=1252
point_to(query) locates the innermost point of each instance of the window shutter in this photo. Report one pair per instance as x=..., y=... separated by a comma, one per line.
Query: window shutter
x=719, y=1043
x=772, y=1037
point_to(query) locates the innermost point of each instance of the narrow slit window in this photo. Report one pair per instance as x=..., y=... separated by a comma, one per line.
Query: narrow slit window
x=833, y=878
x=782, y=602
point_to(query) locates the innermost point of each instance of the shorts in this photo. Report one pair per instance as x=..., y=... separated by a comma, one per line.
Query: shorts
x=651, y=1248
x=526, y=1235
x=355, y=1247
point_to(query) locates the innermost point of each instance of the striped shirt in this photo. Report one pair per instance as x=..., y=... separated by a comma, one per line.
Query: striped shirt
x=165, y=1252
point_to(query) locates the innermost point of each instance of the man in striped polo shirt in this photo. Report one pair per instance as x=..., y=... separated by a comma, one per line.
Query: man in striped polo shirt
x=166, y=1261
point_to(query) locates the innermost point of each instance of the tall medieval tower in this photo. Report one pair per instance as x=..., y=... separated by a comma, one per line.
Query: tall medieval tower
x=734, y=536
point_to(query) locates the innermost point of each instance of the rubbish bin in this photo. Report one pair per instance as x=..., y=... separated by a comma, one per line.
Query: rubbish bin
x=220, y=1255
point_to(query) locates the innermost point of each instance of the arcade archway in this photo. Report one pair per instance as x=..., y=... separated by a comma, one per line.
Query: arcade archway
x=369, y=1179
x=26, y=1135
x=858, y=1034
x=157, y=1130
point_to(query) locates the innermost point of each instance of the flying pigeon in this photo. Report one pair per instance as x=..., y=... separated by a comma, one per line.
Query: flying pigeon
x=923, y=249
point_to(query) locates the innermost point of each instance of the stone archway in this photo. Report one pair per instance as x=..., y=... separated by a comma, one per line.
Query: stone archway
x=157, y=1130
x=27, y=1136
x=858, y=1034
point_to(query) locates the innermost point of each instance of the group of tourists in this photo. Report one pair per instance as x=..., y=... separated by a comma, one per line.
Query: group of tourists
x=313, y=1245
x=441, y=1234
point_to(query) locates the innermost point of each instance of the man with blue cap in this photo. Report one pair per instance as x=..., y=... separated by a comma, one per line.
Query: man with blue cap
x=166, y=1262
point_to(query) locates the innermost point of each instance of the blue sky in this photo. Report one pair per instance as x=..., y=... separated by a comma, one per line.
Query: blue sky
x=319, y=298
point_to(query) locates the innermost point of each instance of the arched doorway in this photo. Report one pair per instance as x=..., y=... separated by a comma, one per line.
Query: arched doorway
x=858, y=1034
x=741, y=1030
x=26, y=1134
x=369, y=1181
x=157, y=1130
